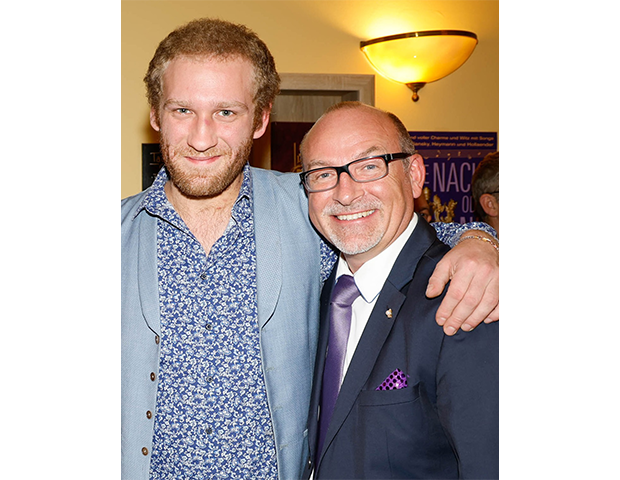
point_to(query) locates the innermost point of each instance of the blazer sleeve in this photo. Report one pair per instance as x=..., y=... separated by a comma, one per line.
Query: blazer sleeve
x=468, y=399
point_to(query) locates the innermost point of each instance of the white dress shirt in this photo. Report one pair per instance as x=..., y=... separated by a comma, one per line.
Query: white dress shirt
x=369, y=280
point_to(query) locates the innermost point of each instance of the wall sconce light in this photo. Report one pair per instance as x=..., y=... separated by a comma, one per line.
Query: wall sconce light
x=418, y=58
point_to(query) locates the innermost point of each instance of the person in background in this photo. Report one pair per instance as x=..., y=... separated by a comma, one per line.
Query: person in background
x=423, y=208
x=485, y=190
x=393, y=397
x=222, y=273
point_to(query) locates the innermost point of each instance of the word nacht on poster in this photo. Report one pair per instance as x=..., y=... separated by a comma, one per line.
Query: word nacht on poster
x=450, y=159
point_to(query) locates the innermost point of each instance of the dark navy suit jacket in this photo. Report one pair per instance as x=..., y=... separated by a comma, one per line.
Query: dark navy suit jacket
x=444, y=424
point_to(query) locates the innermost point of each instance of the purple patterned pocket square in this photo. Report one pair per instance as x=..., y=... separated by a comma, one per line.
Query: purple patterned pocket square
x=395, y=381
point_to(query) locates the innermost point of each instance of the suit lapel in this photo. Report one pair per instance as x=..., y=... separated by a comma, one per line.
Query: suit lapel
x=379, y=325
x=147, y=276
x=268, y=240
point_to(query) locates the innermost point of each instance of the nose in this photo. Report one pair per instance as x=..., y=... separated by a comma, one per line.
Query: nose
x=347, y=190
x=202, y=135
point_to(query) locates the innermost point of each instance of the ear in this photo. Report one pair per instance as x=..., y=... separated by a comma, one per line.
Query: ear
x=154, y=120
x=260, y=130
x=417, y=174
x=489, y=204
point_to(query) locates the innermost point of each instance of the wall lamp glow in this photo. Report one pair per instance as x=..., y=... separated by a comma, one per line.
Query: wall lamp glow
x=418, y=58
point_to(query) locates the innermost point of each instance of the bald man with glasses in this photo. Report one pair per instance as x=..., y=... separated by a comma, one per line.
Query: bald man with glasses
x=393, y=397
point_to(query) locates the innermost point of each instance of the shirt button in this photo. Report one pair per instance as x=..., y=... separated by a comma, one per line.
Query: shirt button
x=203, y=276
x=209, y=430
x=152, y=376
x=145, y=451
x=209, y=379
x=148, y=414
x=157, y=339
x=209, y=326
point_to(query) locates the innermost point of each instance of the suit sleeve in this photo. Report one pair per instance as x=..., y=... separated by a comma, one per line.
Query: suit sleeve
x=468, y=399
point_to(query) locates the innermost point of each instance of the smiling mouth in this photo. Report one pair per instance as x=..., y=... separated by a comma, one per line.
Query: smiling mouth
x=202, y=159
x=355, y=216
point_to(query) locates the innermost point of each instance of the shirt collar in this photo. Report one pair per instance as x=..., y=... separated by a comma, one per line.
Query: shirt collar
x=372, y=275
x=156, y=202
x=155, y=197
x=242, y=211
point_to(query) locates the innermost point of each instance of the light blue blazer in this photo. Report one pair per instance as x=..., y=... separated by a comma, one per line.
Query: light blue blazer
x=289, y=286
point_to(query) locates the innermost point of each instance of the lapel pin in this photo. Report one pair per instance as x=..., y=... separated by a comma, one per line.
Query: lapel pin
x=388, y=313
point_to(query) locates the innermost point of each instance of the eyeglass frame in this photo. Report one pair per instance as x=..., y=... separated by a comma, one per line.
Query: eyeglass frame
x=387, y=158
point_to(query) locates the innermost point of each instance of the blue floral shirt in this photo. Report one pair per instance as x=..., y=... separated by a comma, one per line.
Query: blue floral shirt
x=212, y=417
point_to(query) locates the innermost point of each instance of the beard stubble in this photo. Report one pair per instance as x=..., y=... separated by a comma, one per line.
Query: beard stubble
x=201, y=182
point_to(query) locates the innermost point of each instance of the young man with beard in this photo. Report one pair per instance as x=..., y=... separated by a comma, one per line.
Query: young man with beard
x=393, y=397
x=222, y=272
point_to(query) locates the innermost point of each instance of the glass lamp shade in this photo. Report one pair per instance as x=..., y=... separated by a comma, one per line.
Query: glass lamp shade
x=417, y=58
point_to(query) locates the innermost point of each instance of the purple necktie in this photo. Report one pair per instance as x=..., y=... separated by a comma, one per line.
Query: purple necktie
x=343, y=295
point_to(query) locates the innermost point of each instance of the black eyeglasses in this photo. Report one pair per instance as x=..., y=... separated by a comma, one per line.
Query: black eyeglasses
x=363, y=170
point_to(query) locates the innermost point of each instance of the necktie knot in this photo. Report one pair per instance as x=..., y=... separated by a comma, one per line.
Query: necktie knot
x=345, y=292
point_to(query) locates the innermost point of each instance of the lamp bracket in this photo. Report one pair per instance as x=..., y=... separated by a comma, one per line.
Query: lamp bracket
x=414, y=87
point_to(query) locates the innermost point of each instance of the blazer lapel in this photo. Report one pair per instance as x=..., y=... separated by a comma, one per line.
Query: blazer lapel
x=268, y=248
x=147, y=277
x=379, y=325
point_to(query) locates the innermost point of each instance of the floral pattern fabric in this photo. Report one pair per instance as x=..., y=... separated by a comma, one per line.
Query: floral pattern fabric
x=212, y=418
